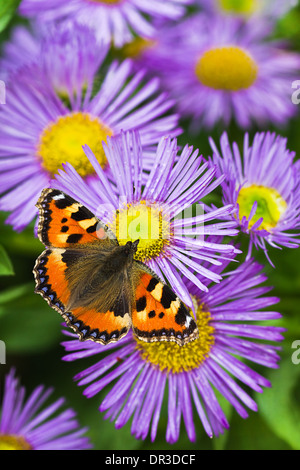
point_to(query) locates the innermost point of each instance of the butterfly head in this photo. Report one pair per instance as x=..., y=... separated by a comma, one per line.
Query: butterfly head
x=131, y=247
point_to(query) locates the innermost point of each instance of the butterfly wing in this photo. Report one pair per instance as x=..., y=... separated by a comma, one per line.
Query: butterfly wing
x=101, y=327
x=158, y=314
x=68, y=273
x=65, y=223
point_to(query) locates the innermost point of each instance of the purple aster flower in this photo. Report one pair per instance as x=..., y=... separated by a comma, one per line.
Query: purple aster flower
x=112, y=20
x=264, y=185
x=19, y=50
x=141, y=374
x=54, y=110
x=225, y=69
x=159, y=213
x=68, y=55
x=247, y=8
x=26, y=424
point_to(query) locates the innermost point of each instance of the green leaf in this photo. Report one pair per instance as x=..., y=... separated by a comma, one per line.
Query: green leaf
x=288, y=25
x=13, y=293
x=29, y=324
x=6, y=267
x=220, y=442
x=7, y=10
x=279, y=405
x=23, y=243
x=253, y=433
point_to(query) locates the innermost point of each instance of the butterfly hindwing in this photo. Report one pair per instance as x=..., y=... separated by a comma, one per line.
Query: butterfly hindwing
x=65, y=223
x=101, y=327
x=84, y=315
x=158, y=314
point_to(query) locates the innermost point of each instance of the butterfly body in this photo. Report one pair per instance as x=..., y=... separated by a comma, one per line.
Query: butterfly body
x=97, y=286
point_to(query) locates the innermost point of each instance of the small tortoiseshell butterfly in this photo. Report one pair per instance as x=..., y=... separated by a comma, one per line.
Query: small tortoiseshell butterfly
x=96, y=284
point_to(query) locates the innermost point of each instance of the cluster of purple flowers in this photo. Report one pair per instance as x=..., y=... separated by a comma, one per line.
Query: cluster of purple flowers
x=98, y=92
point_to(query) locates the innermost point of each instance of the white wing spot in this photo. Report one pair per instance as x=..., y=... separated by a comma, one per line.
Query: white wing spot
x=188, y=321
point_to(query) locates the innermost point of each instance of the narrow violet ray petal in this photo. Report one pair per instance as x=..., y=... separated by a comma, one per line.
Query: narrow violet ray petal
x=138, y=422
x=72, y=441
x=128, y=366
x=119, y=389
x=239, y=370
x=110, y=195
x=125, y=94
x=174, y=411
x=266, y=356
x=199, y=408
x=208, y=396
x=247, y=316
x=98, y=369
x=182, y=268
x=15, y=423
x=186, y=405
x=43, y=415
x=251, y=331
x=197, y=267
x=113, y=412
x=135, y=396
x=54, y=427
x=156, y=415
x=232, y=385
x=225, y=389
x=10, y=396
x=33, y=404
x=150, y=402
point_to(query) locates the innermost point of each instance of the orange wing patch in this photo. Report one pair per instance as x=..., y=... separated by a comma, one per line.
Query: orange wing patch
x=101, y=327
x=49, y=273
x=64, y=222
x=159, y=315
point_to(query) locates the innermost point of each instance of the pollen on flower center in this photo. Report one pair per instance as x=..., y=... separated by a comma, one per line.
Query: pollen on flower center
x=245, y=7
x=137, y=46
x=226, y=68
x=144, y=221
x=171, y=357
x=270, y=205
x=11, y=442
x=62, y=142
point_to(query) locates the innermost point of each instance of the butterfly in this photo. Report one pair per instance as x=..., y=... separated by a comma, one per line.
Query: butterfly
x=95, y=283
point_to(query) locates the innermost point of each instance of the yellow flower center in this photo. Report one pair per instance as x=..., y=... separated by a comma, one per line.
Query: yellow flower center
x=243, y=7
x=270, y=205
x=136, y=47
x=11, y=442
x=226, y=68
x=144, y=221
x=63, y=139
x=171, y=357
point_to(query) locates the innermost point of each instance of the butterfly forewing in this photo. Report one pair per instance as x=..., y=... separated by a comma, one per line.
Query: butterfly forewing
x=65, y=223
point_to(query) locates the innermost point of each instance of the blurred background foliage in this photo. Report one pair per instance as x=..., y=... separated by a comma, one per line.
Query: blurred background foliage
x=32, y=332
